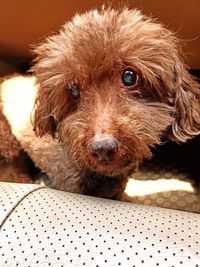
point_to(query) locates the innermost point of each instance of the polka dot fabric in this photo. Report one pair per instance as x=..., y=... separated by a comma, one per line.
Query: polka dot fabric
x=54, y=228
x=10, y=195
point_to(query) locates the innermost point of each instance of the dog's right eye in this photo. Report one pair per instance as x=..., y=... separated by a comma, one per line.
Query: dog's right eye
x=129, y=77
x=75, y=90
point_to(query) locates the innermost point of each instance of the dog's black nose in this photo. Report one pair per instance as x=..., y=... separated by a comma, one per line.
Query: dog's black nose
x=104, y=149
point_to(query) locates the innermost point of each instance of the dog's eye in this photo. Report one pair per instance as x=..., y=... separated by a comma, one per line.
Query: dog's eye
x=75, y=90
x=129, y=77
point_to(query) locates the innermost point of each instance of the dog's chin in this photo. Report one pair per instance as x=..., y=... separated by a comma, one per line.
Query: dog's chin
x=112, y=171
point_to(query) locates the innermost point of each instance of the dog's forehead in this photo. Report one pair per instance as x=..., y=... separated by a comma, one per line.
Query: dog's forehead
x=101, y=42
x=102, y=39
x=98, y=41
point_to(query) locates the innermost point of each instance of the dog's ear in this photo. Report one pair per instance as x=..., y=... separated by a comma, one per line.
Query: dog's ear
x=51, y=102
x=187, y=105
x=43, y=121
x=51, y=105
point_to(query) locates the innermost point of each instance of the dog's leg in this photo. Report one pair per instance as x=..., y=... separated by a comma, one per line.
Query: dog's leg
x=20, y=167
x=9, y=146
x=13, y=153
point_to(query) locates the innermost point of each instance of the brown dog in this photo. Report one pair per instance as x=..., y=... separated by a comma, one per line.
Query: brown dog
x=110, y=84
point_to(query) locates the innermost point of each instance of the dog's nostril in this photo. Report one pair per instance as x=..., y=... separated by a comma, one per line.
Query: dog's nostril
x=103, y=150
x=94, y=155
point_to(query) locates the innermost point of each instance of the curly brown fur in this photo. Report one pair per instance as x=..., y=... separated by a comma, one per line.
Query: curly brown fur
x=92, y=51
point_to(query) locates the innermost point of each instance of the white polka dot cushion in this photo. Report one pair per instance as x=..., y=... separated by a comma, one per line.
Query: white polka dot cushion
x=46, y=227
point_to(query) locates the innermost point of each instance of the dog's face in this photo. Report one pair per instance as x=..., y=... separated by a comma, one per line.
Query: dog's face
x=110, y=85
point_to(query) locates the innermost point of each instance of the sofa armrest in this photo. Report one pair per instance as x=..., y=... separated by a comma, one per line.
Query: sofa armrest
x=45, y=227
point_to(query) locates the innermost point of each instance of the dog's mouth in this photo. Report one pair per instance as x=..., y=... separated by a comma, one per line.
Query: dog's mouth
x=112, y=165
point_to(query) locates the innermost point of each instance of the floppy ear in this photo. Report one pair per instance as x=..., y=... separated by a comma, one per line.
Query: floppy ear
x=43, y=121
x=187, y=105
x=51, y=102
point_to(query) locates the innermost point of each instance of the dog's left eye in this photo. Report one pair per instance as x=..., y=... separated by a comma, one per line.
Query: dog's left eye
x=75, y=90
x=129, y=78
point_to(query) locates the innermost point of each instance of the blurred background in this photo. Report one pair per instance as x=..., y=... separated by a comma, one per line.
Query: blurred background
x=23, y=23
